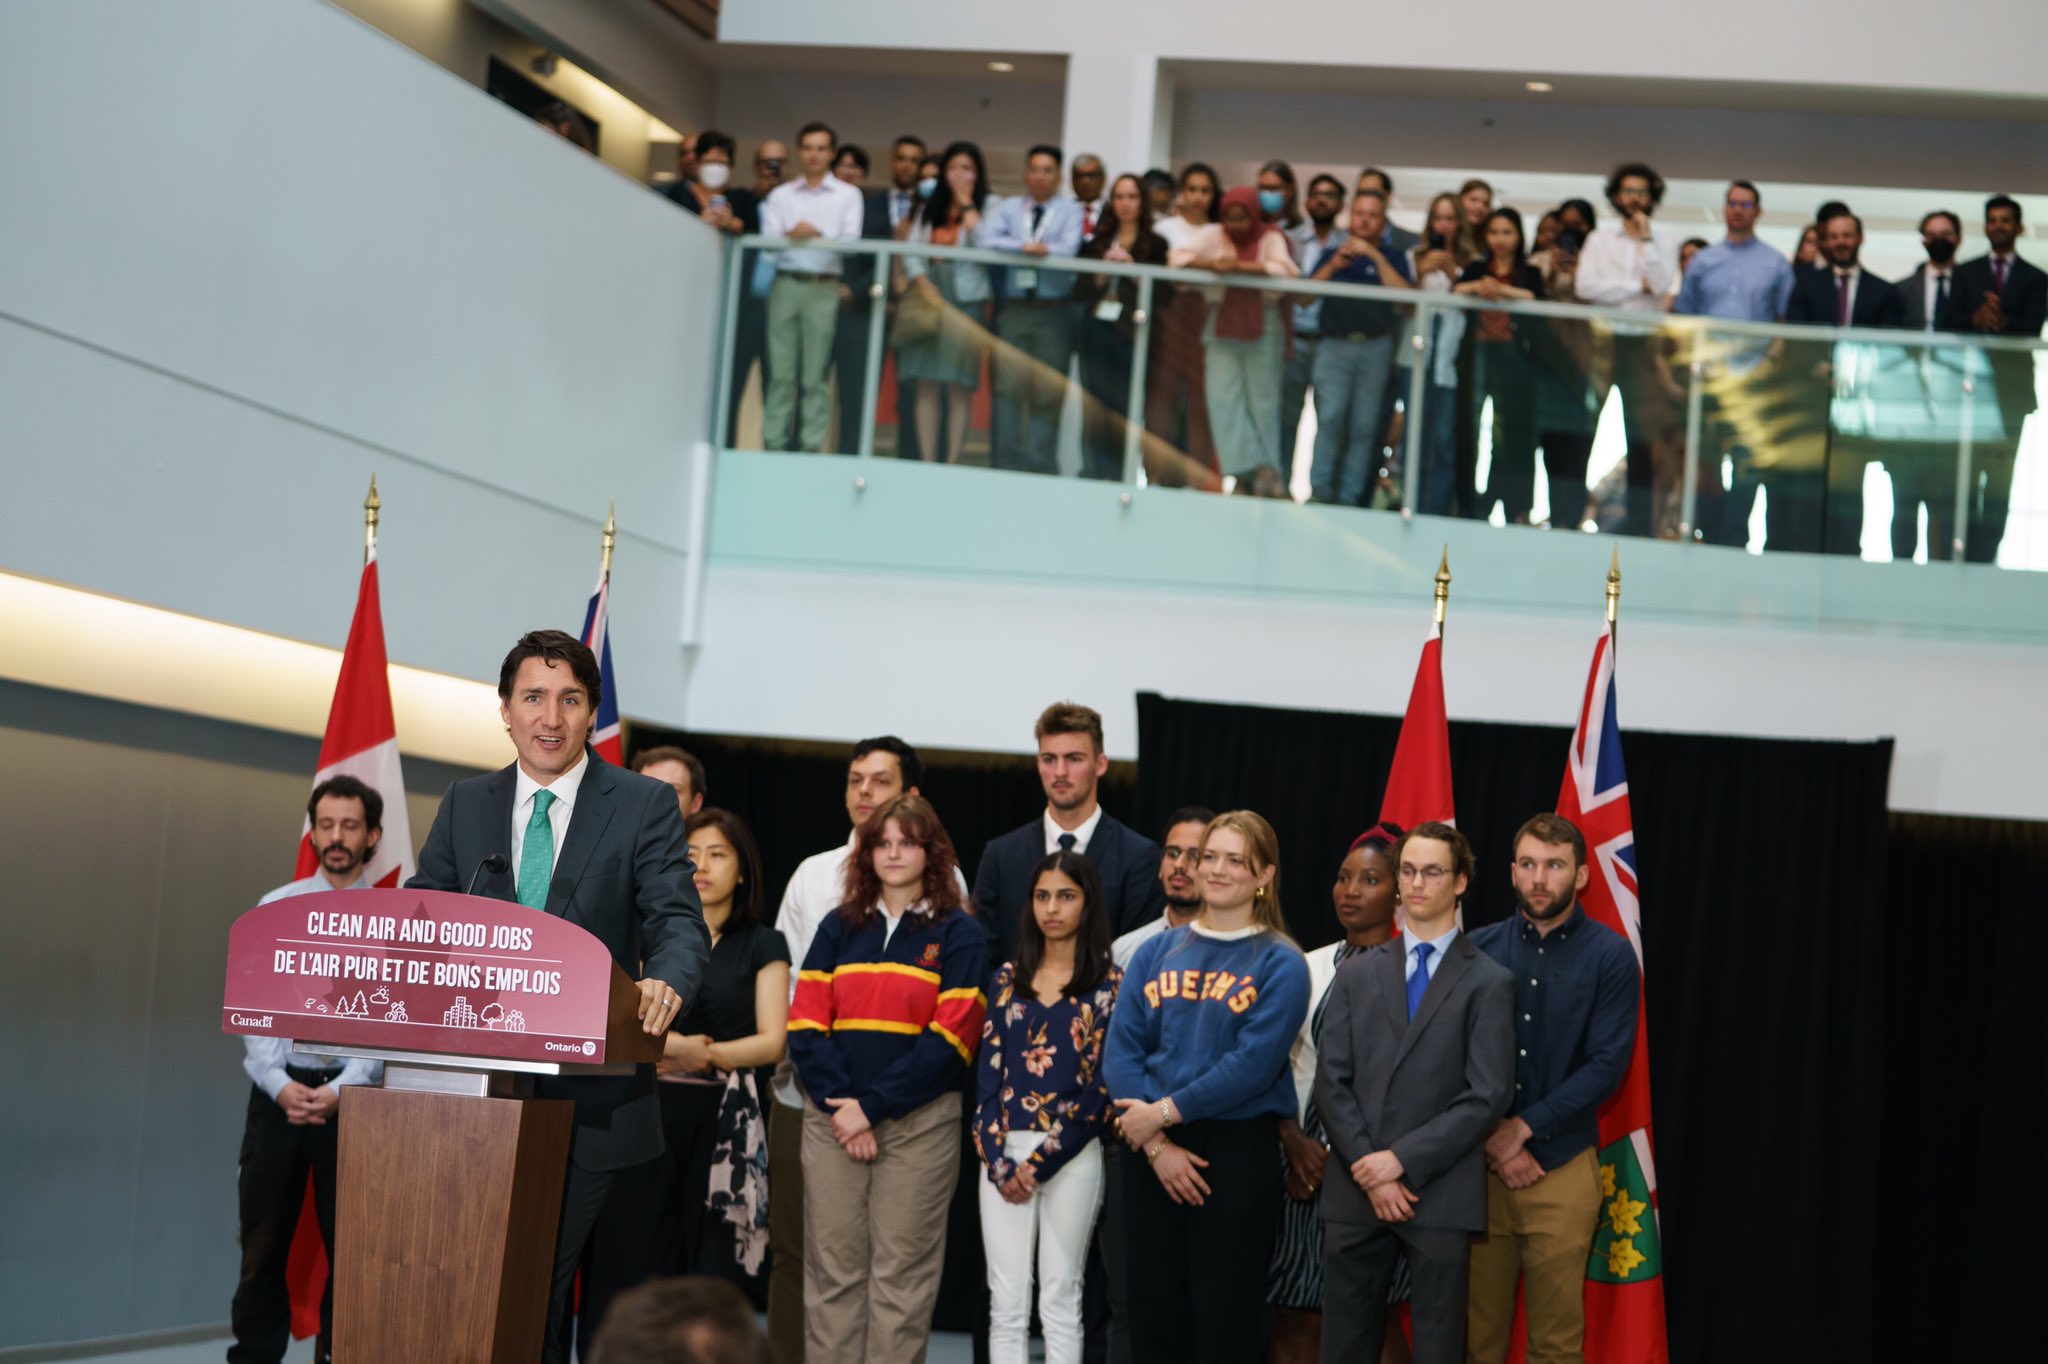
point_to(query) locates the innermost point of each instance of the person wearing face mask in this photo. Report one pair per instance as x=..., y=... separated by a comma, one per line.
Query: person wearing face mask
x=1364, y=896
x=1923, y=471
x=1245, y=340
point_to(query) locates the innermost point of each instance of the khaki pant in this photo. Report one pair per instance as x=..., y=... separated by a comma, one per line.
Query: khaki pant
x=803, y=315
x=786, y=1231
x=1541, y=1236
x=875, y=1236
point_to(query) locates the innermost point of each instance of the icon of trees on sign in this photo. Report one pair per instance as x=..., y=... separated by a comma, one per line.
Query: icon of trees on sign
x=496, y=1016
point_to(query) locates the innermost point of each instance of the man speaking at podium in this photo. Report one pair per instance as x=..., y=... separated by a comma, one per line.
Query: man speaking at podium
x=564, y=832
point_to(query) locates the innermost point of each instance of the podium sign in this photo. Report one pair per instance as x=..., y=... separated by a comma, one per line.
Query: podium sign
x=421, y=971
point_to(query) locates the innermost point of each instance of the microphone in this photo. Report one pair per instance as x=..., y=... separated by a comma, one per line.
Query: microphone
x=495, y=864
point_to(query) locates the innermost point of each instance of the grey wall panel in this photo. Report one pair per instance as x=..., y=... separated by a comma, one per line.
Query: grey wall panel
x=132, y=839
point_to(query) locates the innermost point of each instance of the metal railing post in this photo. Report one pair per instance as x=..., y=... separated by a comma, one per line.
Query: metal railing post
x=871, y=379
x=1964, y=440
x=1420, y=361
x=1134, y=412
x=1695, y=409
x=721, y=397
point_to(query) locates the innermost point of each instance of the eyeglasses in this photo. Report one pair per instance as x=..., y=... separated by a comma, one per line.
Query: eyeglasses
x=1173, y=854
x=1427, y=875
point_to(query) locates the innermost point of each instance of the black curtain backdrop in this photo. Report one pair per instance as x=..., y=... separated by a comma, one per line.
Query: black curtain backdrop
x=1762, y=862
x=1846, y=1025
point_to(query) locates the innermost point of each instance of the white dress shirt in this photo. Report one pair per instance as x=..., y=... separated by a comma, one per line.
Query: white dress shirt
x=1124, y=948
x=565, y=789
x=1930, y=287
x=1436, y=958
x=833, y=207
x=264, y=1058
x=1614, y=267
x=1855, y=274
x=1081, y=835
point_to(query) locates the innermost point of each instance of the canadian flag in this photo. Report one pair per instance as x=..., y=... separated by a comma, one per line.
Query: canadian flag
x=1419, y=784
x=361, y=741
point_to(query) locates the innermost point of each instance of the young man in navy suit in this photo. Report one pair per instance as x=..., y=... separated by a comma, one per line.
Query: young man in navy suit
x=1071, y=762
x=566, y=833
x=1998, y=294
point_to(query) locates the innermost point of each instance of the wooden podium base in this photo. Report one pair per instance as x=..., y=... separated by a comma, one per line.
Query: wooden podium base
x=445, y=1221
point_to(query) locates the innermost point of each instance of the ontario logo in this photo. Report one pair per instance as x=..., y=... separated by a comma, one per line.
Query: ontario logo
x=573, y=1048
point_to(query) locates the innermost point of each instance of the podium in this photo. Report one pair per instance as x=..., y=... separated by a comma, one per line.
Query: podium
x=449, y=1181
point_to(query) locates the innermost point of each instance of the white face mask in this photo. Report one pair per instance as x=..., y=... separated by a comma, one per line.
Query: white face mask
x=713, y=174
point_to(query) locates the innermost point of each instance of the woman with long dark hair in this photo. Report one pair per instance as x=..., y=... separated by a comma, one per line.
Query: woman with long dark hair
x=1175, y=409
x=1364, y=896
x=702, y=1208
x=1109, y=329
x=1197, y=1062
x=1502, y=370
x=1043, y=1107
x=887, y=1014
x=942, y=320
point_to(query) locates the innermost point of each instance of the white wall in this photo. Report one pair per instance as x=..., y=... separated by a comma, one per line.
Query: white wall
x=984, y=658
x=1986, y=46
x=336, y=259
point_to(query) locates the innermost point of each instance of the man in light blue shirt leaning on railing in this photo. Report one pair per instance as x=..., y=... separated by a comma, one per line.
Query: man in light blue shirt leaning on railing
x=1037, y=321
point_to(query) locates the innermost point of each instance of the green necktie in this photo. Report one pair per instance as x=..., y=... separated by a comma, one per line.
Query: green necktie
x=537, y=854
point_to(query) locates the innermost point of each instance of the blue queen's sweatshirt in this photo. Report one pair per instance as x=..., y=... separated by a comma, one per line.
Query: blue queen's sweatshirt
x=1208, y=1019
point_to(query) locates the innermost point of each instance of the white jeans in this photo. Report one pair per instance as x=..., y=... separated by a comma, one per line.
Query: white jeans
x=1059, y=1218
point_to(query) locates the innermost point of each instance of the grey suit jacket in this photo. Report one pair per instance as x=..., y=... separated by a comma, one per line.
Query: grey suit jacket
x=1429, y=1089
x=623, y=876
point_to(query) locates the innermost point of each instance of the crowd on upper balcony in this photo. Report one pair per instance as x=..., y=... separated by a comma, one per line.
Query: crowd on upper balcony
x=1230, y=368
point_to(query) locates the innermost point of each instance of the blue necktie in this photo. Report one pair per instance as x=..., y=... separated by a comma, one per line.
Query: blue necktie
x=537, y=855
x=1419, y=982
x=1067, y=842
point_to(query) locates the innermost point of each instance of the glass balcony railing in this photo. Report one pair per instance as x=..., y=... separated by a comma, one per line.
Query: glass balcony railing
x=1879, y=444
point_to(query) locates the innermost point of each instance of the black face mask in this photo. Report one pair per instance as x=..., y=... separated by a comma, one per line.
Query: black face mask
x=1940, y=250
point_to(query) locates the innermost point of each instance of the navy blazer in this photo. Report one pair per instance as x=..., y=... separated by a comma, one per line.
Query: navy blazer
x=2025, y=300
x=624, y=876
x=1127, y=861
x=1813, y=300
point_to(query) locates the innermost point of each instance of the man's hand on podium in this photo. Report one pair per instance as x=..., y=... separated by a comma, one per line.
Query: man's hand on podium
x=304, y=1106
x=658, y=1006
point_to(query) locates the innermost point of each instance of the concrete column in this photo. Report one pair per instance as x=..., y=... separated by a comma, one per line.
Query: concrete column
x=1113, y=108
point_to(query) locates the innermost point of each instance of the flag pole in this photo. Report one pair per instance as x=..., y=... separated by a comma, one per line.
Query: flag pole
x=371, y=506
x=609, y=538
x=1443, y=586
x=1613, y=587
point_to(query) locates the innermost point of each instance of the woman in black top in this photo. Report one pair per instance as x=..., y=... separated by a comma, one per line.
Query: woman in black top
x=1502, y=368
x=702, y=1208
x=1109, y=329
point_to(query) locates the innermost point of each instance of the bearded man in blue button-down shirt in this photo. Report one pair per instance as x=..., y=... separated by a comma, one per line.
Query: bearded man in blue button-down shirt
x=1576, y=988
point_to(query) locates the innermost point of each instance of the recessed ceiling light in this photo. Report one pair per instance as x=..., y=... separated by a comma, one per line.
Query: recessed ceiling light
x=1002, y=67
x=1538, y=87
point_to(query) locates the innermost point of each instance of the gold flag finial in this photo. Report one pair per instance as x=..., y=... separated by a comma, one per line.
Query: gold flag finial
x=1614, y=585
x=610, y=537
x=371, y=506
x=1443, y=585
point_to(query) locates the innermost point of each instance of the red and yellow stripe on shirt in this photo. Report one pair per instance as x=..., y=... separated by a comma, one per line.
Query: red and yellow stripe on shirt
x=886, y=996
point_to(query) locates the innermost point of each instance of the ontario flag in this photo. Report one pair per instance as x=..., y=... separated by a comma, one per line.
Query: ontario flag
x=597, y=637
x=1419, y=783
x=361, y=741
x=1625, y=1276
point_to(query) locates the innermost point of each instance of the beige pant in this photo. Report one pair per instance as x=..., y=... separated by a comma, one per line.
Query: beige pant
x=875, y=1236
x=1540, y=1236
x=786, y=1231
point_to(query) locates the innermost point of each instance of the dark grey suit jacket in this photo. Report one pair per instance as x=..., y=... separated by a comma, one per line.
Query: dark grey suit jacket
x=623, y=876
x=1428, y=1089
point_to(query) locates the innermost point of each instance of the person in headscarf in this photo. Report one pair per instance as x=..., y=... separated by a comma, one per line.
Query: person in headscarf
x=1246, y=340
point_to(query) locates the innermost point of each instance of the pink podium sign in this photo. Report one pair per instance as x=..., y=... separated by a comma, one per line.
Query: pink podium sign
x=419, y=970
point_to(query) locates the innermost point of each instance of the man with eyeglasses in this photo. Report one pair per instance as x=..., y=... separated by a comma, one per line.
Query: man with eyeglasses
x=1406, y=1109
x=1576, y=988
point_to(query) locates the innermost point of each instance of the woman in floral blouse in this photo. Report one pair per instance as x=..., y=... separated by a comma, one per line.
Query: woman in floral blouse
x=1043, y=1105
